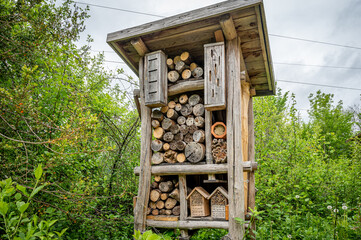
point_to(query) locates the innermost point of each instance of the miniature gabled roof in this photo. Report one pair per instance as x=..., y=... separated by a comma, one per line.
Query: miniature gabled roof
x=201, y=190
x=221, y=189
x=191, y=30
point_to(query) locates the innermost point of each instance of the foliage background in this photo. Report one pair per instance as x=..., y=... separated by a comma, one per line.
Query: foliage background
x=60, y=108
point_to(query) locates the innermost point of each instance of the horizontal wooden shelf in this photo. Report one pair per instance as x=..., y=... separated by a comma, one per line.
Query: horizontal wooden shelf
x=190, y=224
x=188, y=169
x=185, y=86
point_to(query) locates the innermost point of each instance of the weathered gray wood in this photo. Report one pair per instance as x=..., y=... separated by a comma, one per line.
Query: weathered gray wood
x=136, y=96
x=174, y=129
x=228, y=28
x=194, y=99
x=157, y=158
x=183, y=129
x=180, y=19
x=157, y=115
x=176, y=210
x=208, y=136
x=199, y=136
x=178, y=107
x=186, y=86
x=182, y=197
x=181, y=120
x=175, y=194
x=215, y=76
x=251, y=158
x=155, y=79
x=155, y=123
x=195, y=152
x=199, y=122
x=190, y=121
x=166, y=186
x=180, y=66
x=196, y=169
x=156, y=145
x=168, y=137
x=234, y=140
x=197, y=72
x=181, y=145
x=173, y=76
x=167, y=123
x=198, y=110
x=188, y=224
x=178, y=137
x=186, y=110
x=140, y=209
x=188, y=137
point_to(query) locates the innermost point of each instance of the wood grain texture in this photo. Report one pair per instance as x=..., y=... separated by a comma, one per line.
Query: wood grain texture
x=189, y=169
x=215, y=76
x=234, y=139
x=251, y=158
x=228, y=28
x=188, y=224
x=140, y=46
x=191, y=16
x=185, y=86
x=145, y=160
x=183, y=196
x=155, y=79
x=245, y=137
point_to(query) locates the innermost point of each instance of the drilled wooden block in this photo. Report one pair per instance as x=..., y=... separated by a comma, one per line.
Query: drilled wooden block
x=214, y=77
x=155, y=79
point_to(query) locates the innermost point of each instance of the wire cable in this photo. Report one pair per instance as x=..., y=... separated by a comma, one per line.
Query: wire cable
x=321, y=85
x=311, y=65
x=315, y=41
x=120, y=9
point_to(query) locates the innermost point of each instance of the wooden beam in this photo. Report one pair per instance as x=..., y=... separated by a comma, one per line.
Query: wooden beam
x=219, y=36
x=265, y=51
x=118, y=48
x=228, y=28
x=183, y=203
x=234, y=139
x=185, y=86
x=136, y=96
x=139, y=46
x=145, y=159
x=190, y=169
x=188, y=224
x=183, y=18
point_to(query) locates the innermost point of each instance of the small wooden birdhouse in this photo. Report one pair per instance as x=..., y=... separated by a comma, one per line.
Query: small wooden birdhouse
x=219, y=200
x=199, y=202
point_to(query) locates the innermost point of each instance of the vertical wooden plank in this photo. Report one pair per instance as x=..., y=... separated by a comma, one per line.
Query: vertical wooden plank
x=183, y=203
x=251, y=157
x=145, y=158
x=234, y=140
x=208, y=136
x=245, y=101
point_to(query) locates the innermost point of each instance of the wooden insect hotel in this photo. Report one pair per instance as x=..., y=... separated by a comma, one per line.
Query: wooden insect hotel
x=197, y=70
x=198, y=202
x=219, y=202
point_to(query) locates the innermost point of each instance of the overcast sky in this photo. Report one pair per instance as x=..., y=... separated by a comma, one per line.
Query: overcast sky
x=322, y=20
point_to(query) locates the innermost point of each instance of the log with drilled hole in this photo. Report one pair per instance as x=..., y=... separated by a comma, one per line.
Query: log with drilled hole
x=195, y=152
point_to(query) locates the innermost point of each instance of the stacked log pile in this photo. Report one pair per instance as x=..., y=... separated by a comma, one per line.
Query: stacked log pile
x=182, y=67
x=179, y=131
x=164, y=197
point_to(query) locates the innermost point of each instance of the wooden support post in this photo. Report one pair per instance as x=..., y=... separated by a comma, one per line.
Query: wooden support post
x=251, y=155
x=145, y=158
x=183, y=203
x=234, y=139
x=136, y=96
x=140, y=47
x=245, y=101
x=207, y=125
x=228, y=27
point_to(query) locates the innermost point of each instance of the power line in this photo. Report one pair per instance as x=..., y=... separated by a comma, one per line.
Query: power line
x=315, y=41
x=311, y=65
x=321, y=85
x=120, y=9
